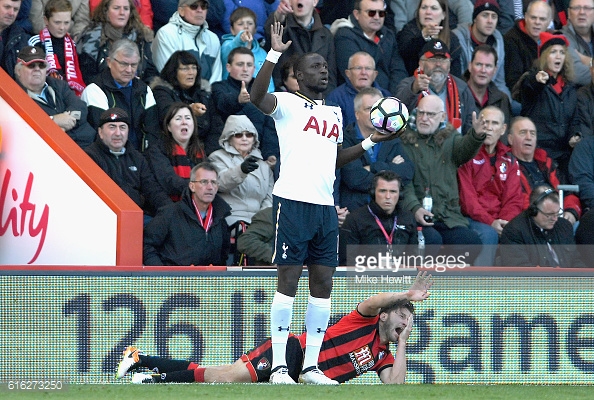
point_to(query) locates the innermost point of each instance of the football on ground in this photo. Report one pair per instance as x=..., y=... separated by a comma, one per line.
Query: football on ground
x=388, y=115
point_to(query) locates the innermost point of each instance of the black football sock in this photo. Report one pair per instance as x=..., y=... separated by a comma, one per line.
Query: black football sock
x=186, y=376
x=163, y=364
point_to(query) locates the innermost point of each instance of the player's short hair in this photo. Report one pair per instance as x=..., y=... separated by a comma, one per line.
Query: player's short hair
x=398, y=304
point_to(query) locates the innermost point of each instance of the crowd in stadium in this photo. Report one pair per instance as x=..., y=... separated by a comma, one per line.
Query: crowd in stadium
x=501, y=95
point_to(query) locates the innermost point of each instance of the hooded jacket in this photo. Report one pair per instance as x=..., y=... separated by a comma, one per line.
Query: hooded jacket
x=245, y=193
x=198, y=40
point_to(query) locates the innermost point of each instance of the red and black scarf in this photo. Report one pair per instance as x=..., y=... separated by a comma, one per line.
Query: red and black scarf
x=71, y=69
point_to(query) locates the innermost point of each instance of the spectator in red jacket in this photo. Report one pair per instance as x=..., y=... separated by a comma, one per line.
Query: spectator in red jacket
x=489, y=184
x=536, y=167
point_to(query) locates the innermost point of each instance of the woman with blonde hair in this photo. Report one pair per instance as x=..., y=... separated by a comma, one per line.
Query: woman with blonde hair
x=549, y=98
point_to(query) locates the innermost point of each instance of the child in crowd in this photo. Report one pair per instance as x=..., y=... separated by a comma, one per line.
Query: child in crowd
x=59, y=47
x=243, y=29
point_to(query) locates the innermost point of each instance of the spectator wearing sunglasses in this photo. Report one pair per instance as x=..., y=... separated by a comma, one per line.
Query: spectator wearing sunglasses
x=245, y=180
x=364, y=30
x=188, y=30
x=53, y=95
x=231, y=97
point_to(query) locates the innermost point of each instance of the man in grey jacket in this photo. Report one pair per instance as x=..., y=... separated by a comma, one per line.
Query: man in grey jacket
x=483, y=30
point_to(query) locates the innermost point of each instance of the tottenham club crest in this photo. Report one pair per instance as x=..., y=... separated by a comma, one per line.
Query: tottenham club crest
x=285, y=248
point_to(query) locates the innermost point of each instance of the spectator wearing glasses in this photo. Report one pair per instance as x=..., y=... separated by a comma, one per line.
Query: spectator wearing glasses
x=245, y=179
x=433, y=77
x=117, y=86
x=431, y=23
x=437, y=150
x=579, y=31
x=360, y=74
x=364, y=30
x=53, y=95
x=111, y=21
x=538, y=237
x=192, y=231
x=188, y=30
x=231, y=97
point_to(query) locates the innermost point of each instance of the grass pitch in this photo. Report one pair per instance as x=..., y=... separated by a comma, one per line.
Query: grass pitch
x=342, y=392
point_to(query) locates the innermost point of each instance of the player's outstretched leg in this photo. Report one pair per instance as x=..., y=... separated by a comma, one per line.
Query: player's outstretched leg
x=130, y=361
x=133, y=358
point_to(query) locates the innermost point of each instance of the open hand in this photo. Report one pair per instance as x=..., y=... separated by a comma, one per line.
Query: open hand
x=276, y=37
x=419, y=290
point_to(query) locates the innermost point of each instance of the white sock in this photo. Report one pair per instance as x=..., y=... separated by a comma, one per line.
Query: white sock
x=316, y=323
x=281, y=313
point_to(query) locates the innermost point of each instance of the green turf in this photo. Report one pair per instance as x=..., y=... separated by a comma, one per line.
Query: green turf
x=343, y=392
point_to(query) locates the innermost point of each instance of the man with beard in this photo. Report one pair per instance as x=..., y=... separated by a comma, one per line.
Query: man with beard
x=437, y=150
x=354, y=345
x=433, y=77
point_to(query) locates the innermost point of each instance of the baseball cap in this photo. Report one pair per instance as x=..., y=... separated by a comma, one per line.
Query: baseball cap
x=31, y=54
x=435, y=48
x=114, y=114
x=190, y=2
x=485, y=5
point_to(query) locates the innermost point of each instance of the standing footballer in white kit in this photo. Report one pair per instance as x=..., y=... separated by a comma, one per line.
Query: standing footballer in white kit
x=305, y=220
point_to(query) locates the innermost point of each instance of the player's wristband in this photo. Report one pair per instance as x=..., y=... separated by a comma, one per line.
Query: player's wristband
x=367, y=144
x=273, y=56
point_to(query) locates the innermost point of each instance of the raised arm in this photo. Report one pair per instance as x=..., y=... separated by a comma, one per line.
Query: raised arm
x=259, y=94
x=418, y=291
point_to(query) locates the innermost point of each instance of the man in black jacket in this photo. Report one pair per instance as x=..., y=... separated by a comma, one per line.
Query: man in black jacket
x=12, y=37
x=118, y=86
x=54, y=96
x=538, y=237
x=381, y=222
x=192, y=231
x=125, y=165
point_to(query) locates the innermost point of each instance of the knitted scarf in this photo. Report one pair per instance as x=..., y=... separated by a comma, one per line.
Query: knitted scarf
x=71, y=69
x=453, y=107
